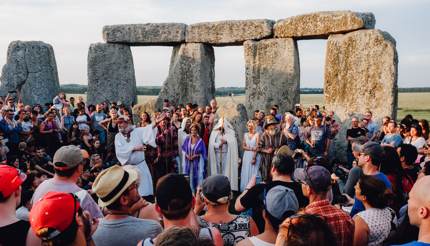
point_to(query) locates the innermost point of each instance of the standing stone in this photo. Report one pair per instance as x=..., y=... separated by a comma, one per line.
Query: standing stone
x=361, y=74
x=191, y=76
x=111, y=74
x=30, y=68
x=233, y=32
x=322, y=24
x=272, y=74
x=145, y=34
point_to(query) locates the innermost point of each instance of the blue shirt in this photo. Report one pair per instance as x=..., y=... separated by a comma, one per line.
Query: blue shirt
x=373, y=128
x=394, y=139
x=68, y=121
x=358, y=205
x=415, y=243
x=96, y=118
x=293, y=143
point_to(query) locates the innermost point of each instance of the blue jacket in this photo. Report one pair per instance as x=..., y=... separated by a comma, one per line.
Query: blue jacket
x=10, y=133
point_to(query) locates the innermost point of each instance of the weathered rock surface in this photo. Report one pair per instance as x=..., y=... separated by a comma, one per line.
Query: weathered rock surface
x=145, y=34
x=237, y=115
x=322, y=24
x=30, y=68
x=272, y=74
x=361, y=74
x=233, y=32
x=111, y=74
x=191, y=75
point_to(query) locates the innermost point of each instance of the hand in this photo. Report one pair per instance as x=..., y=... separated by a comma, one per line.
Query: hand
x=140, y=148
x=253, y=161
x=94, y=222
x=199, y=205
x=141, y=203
x=270, y=150
x=300, y=151
x=325, y=153
x=251, y=182
x=350, y=200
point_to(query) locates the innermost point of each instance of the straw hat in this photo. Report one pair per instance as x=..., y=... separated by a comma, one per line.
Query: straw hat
x=112, y=182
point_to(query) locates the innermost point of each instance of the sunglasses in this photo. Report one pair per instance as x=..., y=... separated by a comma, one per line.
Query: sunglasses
x=307, y=177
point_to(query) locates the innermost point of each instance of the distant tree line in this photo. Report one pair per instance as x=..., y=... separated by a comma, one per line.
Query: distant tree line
x=222, y=91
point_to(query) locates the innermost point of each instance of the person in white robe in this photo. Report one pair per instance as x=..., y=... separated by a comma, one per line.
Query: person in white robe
x=130, y=146
x=183, y=133
x=223, y=152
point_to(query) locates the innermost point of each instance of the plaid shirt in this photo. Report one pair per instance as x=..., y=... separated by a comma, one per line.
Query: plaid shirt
x=167, y=142
x=339, y=221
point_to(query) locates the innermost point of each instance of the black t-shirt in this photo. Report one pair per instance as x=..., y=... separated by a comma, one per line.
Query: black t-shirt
x=14, y=234
x=254, y=199
x=355, y=133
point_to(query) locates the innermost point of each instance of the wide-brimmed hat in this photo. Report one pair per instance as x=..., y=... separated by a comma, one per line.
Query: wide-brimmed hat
x=112, y=182
x=270, y=121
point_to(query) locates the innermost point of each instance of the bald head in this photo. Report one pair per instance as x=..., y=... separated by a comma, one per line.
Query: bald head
x=421, y=189
x=419, y=202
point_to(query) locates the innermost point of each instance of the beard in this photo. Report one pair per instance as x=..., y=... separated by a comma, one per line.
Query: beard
x=126, y=130
x=272, y=132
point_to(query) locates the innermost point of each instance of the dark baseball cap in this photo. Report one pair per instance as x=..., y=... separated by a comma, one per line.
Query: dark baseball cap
x=317, y=177
x=173, y=193
x=217, y=189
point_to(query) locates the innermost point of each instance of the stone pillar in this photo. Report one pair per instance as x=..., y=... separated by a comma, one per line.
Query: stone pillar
x=272, y=74
x=361, y=74
x=191, y=76
x=31, y=68
x=111, y=74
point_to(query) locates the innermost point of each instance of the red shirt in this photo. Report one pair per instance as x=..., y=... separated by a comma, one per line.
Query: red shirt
x=339, y=221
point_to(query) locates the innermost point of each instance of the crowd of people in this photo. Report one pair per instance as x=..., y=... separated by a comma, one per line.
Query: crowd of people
x=78, y=174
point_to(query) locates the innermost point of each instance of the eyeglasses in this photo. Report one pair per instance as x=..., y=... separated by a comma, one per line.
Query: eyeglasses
x=307, y=177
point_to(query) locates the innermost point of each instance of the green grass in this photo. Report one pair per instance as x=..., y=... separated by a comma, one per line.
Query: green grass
x=417, y=104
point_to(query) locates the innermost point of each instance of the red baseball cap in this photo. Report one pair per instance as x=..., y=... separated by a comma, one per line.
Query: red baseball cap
x=10, y=180
x=53, y=214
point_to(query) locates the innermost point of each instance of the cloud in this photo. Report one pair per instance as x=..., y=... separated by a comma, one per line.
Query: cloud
x=72, y=25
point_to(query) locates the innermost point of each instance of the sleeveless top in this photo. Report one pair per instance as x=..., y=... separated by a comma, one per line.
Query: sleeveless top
x=112, y=128
x=258, y=242
x=380, y=223
x=233, y=231
x=251, y=141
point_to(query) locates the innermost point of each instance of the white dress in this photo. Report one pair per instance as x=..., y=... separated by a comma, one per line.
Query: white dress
x=249, y=169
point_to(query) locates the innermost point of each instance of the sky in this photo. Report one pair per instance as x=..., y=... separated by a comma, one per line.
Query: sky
x=70, y=26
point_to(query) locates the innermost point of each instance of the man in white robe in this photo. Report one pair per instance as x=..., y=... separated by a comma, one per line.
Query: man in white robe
x=130, y=146
x=223, y=152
